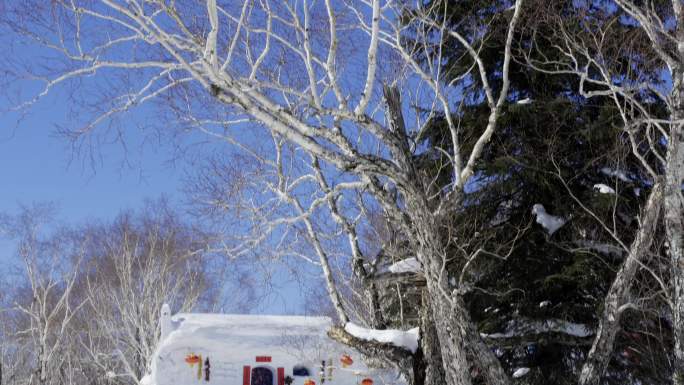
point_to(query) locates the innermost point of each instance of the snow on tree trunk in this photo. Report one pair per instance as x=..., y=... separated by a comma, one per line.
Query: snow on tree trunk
x=601, y=350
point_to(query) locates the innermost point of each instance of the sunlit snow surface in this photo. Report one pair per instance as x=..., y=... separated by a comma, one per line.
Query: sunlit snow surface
x=231, y=342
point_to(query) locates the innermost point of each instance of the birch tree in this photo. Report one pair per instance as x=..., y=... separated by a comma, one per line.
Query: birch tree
x=310, y=74
x=135, y=265
x=47, y=307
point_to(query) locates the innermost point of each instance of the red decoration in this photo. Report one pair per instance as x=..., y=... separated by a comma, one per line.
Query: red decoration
x=281, y=376
x=346, y=360
x=246, y=375
x=309, y=382
x=263, y=358
x=192, y=359
x=367, y=381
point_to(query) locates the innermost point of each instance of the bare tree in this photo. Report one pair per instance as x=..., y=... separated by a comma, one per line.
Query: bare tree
x=286, y=67
x=47, y=309
x=136, y=269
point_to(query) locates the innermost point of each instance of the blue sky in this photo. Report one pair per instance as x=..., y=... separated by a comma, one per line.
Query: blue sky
x=37, y=165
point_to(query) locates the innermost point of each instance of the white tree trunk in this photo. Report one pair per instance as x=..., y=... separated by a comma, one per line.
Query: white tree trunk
x=602, y=349
x=674, y=216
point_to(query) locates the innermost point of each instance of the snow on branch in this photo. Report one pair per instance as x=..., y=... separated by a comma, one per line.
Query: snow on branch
x=408, y=265
x=404, y=339
x=549, y=222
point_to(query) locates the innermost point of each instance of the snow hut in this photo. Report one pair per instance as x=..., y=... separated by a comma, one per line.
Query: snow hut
x=255, y=350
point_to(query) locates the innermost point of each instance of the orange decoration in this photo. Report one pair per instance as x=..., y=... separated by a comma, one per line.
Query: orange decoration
x=192, y=359
x=367, y=381
x=346, y=360
x=309, y=382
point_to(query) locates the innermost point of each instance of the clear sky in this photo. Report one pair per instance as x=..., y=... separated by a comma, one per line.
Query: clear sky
x=37, y=165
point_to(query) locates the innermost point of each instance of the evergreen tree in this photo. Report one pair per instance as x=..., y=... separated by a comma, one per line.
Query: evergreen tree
x=535, y=293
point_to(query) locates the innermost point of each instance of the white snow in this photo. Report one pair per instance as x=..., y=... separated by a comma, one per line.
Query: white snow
x=603, y=189
x=603, y=248
x=524, y=101
x=404, y=339
x=408, y=265
x=520, y=372
x=544, y=303
x=525, y=326
x=231, y=342
x=110, y=374
x=616, y=173
x=549, y=222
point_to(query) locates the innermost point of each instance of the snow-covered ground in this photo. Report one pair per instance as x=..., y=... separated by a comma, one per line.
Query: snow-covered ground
x=234, y=347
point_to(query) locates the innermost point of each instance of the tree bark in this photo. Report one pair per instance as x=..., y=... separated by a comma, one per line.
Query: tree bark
x=433, y=370
x=601, y=350
x=674, y=214
x=456, y=333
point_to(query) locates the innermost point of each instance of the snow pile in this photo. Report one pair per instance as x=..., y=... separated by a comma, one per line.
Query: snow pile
x=516, y=328
x=616, y=174
x=403, y=339
x=549, y=222
x=603, y=189
x=408, y=265
x=520, y=372
x=524, y=101
x=544, y=303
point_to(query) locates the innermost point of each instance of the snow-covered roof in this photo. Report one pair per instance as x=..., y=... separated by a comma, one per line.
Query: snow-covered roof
x=231, y=343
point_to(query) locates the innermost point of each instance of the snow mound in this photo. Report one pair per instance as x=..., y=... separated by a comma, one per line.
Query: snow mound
x=408, y=265
x=231, y=345
x=403, y=339
x=520, y=372
x=603, y=189
x=549, y=222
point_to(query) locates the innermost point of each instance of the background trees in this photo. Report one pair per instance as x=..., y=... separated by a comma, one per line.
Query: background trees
x=86, y=303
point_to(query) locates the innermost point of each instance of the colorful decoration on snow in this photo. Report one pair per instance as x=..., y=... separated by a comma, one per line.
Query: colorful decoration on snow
x=309, y=382
x=192, y=359
x=367, y=381
x=346, y=360
x=263, y=358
